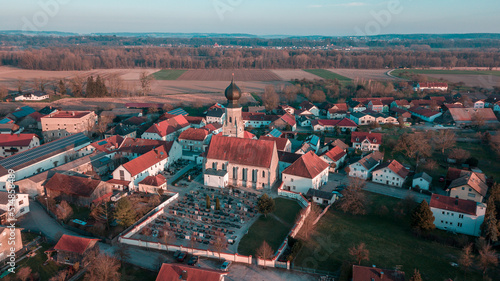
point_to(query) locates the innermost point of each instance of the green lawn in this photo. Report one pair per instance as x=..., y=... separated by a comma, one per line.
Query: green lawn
x=269, y=228
x=387, y=238
x=168, y=74
x=326, y=74
x=488, y=159
x=398, y=72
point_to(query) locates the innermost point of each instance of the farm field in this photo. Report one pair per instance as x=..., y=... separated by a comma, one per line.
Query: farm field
x=388, y=239
x=366, y=74
x=325, y=74
x=226, y=74
x=446, y=71
x=471, y=78
x=168, y=74
x=292, y=74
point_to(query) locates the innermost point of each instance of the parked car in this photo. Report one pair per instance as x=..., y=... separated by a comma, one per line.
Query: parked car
x=177, y=254
x=193, y=260
x=225, y=265
x=181, y=257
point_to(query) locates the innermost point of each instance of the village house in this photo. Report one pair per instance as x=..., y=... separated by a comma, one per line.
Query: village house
x=362, y=118
x=32, y=121
x=20, y=113
x=10, y=128
x=65, y=123
x=375, y=105
x=390, y=173
x=257, y=120
x=309, y=108
x=286, y=159
x=148, y=164
x=386, y=102
x=213, y=128
x=469, y=116
x=366, y=141
x=19, y=202
x=195, y=140
x=321, y=197
x=366, y=273
x=425, y=114
x=73, y=249
x=330, y=125
x=422, y=181
x=122, y=130
x=335, y=157
x=457, y=215
x=337, y=111
x=403, y=104
x=34, y=96
x=5, y=237
x=286, y=109
x=243, y=162
x=282, y=144
x=309, y=171
x=167, y=130
x=356, y=106
x=79, y=190
x=176, y=272
x=216, y=115
x=152, y=184
x=399, y=112
x=431, y=86
x=285, y=122
x=364, y=167
x=41, y=158
x=15, y=143
x=196, y=121
x=467, y=185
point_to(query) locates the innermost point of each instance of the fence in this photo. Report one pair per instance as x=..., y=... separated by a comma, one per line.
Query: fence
x=293, y=195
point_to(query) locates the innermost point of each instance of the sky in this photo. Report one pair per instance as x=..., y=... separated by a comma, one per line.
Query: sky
x=260, y=17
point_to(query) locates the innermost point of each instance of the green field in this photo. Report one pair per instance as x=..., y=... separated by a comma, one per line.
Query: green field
x=270, y=229
x=388, y=239
x=398, y=72
x=168, y=74
x=326, y=74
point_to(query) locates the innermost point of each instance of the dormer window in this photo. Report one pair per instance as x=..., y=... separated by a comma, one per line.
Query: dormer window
x=374, y=140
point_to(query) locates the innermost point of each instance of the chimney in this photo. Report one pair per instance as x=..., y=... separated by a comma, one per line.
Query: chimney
x=73, y=113
x=184, y=275
x=381, y=275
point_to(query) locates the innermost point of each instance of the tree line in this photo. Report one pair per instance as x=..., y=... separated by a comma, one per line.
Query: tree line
x=92, y=57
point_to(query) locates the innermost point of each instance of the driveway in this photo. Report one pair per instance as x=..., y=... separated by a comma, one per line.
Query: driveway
x=382, y=189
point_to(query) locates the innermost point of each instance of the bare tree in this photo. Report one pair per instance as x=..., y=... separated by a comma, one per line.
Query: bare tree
x=414, y=146
x=444, y=139
x=318, y=96
x=76, y=85
x=459, y=154
x=359, y=252
x=309, y=226
x=264, y=252
x=487, y=257
x=20, y=85
x=291, y=92
x=146, y=81
x=220, y=242
x=63, y=210
x=353, y=200
x=270, y=98
x=103, y=267
x=466, y=258
x=477, y=120
x=115, y=84
x=24, y=273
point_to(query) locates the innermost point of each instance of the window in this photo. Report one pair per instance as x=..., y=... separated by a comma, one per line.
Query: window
x=263, y=174
x=459, y=224
x=235, y=173
x=254, y=175
x=472, y=195
x=245, y=170
x=214, y=165
x=460, y=216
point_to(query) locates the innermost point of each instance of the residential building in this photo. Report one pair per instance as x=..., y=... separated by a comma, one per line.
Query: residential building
x=375, y=105
x=403, y=104
x=467, y=185
x=321, y=197
x=167, y=130
x=196, y=121
x=366, y=141
x=390, y=173
x=35, y=96
x=285, y=122
x=309, y=108
x=471, y=116
x=337, y=111
x=309, y=171
x=425, y=114
x=364, y=167
x=10, y=241
x=422, y=181
x=362, y=118
x=258, y=120
x=457, y=215
x=176, y=272
x=20, y=113
x=73, y=249
x=15, y=143
x=431, y=86
x=479, y=104
x=356, y=106
x=244, y=162
x=65, y=123
x=286, y=159
x=195, y=140
x=79, y=190
x=10, y=128
x=366, y=273
x=335, y=157
x=152, y=184
x=282, y=144
x=17, y=203
x=327, y=125
x=216, y=115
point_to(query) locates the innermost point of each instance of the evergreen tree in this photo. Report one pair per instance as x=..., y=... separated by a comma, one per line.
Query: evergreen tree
x=62, y=88
x=265, y=204
x=207, y=199
x=124, y=212
x=217, y=204
x=422, y=217
x=90, y=89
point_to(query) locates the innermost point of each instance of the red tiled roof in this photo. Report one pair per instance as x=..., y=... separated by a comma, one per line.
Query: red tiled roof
x=280, y=142
x=194, y=119
x=289, y=119
x=141, y=146
x=308, y=165
x=453, y=204
x=376, y=102
x=306, y=105
x=74, y=244
x=248, y=135
x=402, y=102
x=357, y=137
x=72, y=185
x=258, y=153
x=335, y=153
x=212, y=126
x=120, y=182
x=364, y=273
x=143, y=162
x=173, y=272
x=16, y=139
x=68, y=114
x=168, y=126
x=194, y=134
x=396, y=167
x=338, y=107
x=135, y=120
x=157, y=180
x=108, y=144
x=423, y=111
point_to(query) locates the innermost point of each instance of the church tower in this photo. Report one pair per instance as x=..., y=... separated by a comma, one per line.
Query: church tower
x=233, y=123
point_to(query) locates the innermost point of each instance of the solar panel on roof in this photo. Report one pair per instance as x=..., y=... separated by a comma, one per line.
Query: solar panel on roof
x=178, y=111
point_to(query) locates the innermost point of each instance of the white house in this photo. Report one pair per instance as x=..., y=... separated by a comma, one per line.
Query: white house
x=216, y=178
x=11, y=144
x=35, y=96
x=422, y=181
x=364, y=167
x=432, y=86
x=335, y=157
x=216, y=115
x=362, y=118
x=322, y=197
x=14, y=201
x=149, y=164
x=309, y=108
x=309, y=171
x=390, y=173
x=330, y=125
x=457, y=215
x=366, y=141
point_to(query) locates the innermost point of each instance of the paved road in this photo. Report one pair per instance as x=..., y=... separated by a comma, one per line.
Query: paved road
x=382, y=189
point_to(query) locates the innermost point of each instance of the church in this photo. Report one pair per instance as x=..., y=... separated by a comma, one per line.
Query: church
x=234, y=160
